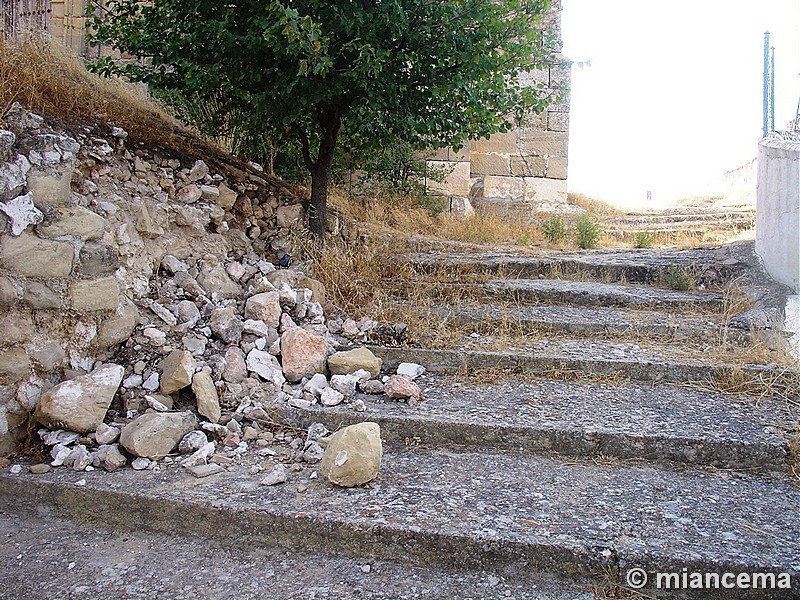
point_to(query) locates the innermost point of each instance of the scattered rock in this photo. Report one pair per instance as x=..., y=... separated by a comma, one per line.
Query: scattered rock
x=192, y=442
x=206, y=395
x=226, y=324
x=373, y=387
x=109, y=457
x=39, y=469
x=350, y=361
x=277, y=475
x=410, y=370
x=331, y=397
x=400, y=387
x=264, y=307
x=80, y=404
x=140, y=464
x=266, y=366
x=303, y=353
x=177, y=370
x=353, y=455
x=105, y=434
x=200, y=471
x=154, y=435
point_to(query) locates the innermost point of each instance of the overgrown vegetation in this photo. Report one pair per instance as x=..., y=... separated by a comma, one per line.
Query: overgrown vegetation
x=588, y=230
x=644, y=239
x=677, y=278
x=554, y=230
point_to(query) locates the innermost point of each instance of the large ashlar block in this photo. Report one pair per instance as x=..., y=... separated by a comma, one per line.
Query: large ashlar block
x=500, y=143
x=490, y=164
x=31, y=256
x=502, y=188
x=557, y=121
x=528, y=166
x=457, y=182
x=556, y=167
x=543, y=143
x=51, y=188
x=548, y=194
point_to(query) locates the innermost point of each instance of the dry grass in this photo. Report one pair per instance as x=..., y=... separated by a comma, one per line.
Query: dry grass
x=46, y=78
x=599, y=208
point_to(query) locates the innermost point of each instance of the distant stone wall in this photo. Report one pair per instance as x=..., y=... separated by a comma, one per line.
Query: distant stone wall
x=523, y=171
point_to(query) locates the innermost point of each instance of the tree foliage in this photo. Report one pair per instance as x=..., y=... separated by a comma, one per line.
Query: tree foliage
x=426, y=72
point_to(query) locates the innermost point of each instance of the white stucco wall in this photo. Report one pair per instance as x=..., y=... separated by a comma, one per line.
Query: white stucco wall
x=778, y=210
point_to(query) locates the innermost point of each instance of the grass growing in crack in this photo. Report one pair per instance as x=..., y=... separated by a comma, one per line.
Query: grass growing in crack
x=677, y=278
x=644, y=239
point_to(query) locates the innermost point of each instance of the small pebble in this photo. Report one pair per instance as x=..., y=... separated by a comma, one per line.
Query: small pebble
x=39, y=469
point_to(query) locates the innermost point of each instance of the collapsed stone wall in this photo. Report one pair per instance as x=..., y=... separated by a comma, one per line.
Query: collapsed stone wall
x=88, y=222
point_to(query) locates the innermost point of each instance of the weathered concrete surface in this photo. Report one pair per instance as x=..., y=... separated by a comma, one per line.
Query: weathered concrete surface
x=709, y=265
x=79, y=561
x=660, y=364
x=618, y=323
x=461, y=509
x=589, y=293
x=778, y=209
x=632, y=421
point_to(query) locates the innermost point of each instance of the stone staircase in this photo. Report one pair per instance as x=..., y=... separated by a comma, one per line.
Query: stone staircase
x=581, y=426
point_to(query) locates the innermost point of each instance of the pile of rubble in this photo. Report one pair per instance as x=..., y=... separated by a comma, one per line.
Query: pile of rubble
x=144, y=311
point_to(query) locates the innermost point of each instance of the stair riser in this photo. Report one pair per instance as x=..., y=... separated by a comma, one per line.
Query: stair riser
x=298, y=532
x=534, y=269
x=529, y=440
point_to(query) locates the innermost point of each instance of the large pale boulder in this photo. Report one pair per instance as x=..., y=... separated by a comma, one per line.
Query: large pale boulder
x=303, y=354
x=353, y=455
x=265, y=307
x=176, y=371
x=206, y=395
x=345, y=363
x=154, y=435
x=80, y=404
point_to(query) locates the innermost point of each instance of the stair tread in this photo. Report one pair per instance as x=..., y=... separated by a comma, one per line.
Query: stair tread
x=141, y=564
x=597, y=294
x=538, y=508
x=632, y=420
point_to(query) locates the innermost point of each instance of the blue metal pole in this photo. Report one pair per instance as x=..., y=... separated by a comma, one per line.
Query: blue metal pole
x=772, y=90
x=766, y=83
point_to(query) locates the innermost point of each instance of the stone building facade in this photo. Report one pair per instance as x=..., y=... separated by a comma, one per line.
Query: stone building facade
x=521, y=172
x=62, y=19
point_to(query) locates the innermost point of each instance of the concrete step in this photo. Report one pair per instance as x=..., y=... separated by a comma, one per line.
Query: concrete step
x=598, y=359
x=475, y=510
x=632, y=421
x=63, y=559
x=708, y=266
x=590, y=293
x=612, y=323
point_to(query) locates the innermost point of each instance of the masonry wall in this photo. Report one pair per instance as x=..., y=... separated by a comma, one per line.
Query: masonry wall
x=523, y=171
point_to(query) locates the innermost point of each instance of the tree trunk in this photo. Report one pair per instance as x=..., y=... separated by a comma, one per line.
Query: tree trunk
x=318, y=209
x=330, y=123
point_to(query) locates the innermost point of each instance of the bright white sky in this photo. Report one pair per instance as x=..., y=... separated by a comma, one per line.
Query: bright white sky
x=674, y=94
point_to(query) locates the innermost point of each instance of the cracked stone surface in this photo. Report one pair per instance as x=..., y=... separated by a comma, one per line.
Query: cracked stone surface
x=465, y=508
x=633, y=420
x=22, y=213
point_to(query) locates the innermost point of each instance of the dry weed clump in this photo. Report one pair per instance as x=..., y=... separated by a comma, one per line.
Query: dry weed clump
x=597, y=207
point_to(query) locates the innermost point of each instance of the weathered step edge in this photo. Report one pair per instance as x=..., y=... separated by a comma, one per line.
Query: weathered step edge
x=542, y=440
x=469, y=361
x=271, y=527
x=662, y=330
